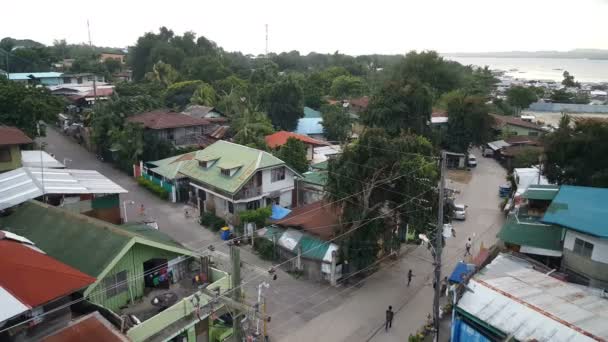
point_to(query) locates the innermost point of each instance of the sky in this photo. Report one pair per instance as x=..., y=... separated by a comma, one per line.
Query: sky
x=352, y=27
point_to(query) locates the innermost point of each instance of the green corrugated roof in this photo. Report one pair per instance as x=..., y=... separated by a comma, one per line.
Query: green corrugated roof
x=541, y=192
x=85, y=243
x=229, y=154
x=169, y=167
x=532, y=233
x=273, y=230
x=311, y=113
x=320, y=166
x=315, y=177
x=313, y=248
x=147, y=232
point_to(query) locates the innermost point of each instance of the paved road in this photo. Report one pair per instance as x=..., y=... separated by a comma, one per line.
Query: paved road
x=360, y=317
x=286, y=290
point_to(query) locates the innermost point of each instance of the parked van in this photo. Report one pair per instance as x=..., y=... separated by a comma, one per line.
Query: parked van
x=471, y=161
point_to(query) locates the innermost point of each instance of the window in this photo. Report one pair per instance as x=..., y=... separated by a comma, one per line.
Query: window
x=532, y=133
x=226, y=172
x=231, y=207
x=67, y=80
x=115, y=284
x=277, y=174
x=583, y=248
x=253, y=205
x=5, y=154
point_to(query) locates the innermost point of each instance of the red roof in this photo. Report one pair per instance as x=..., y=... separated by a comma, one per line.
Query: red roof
x=280, y=138
x=34, y=277
x=439, y=114
x=318, y=218
x=91, y=328
x=13, y=136
x=161, y=119
x=362, y=102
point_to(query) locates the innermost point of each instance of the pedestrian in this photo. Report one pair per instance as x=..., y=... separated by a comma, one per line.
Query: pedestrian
x=444, y=286
x=468, y=247
x=389, y=318
x=142, y=210
x=453, y=232
x=409, y=277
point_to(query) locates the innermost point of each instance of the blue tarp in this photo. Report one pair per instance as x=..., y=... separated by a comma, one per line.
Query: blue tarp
x=461, y=270
x=279, y=212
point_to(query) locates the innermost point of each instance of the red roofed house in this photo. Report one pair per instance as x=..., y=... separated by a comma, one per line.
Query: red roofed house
x=359, y=105
x=510, y=125
x=178, y=128
x=31, y=284
x=91, y=328
x=278, y=139
x=11, y=140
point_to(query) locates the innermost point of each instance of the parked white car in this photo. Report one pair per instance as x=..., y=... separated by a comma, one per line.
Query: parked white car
x=471, y=161
x=460, y=212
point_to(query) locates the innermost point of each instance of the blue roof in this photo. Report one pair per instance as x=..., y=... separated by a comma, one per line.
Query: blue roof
x=310, y=126
x=279, y=212
x=580, y=208
x=310, y=113
x=26, y=75
x=460, y=271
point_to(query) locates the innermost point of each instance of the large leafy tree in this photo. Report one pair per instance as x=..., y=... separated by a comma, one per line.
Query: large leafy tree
x=23, y=106
x=129, y=141
x=347, y=86
x=469, y=122
x=178, y=95
x=337, y=123
x=400, y=106
x=372, y=172
x=568, y=80
x=521, y=97
x=293, y=153
x=284, y=103
x=576, y=154
x=250, y=128
x=204, y=95
x=162, y=73
x=431, y=69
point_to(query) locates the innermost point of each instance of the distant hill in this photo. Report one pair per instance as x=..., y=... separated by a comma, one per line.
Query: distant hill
x=577, y=53
x=10, y=43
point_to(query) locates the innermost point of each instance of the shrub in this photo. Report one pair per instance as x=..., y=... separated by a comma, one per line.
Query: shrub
x=264, y=248
x=153, y=187
x=212, y=222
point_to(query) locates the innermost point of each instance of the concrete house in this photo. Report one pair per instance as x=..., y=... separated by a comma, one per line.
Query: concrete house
x=226, y=178
x=11, y=141
x=278, y=139
x=510, y=125
x=178, y=128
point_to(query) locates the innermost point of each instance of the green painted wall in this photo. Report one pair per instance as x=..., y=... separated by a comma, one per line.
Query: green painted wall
x=517, y=130
x=133, y=263
x=15, y=159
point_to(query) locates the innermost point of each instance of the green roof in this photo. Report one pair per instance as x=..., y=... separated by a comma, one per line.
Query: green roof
x=526, y=232
x=541, y=192
x=320, y=166
x=315, y=177
x=310, y=113
x=85, y=243
x=229, y=155
x=313, y=248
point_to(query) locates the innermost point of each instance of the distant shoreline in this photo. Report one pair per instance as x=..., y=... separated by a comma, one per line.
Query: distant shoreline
x=520, y=56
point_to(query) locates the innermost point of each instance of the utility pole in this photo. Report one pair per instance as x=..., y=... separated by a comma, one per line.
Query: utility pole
x=266, y=50
x=438, y=246
x=235, y=257
x=94, y=76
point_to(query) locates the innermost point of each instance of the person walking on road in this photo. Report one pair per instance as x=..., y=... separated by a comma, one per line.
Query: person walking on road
x=409, y=277
x=468, y=247
x=142, y=210
x=444, y=286
x=389, y=318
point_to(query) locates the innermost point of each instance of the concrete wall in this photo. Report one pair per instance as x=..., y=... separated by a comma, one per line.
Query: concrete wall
x=15, y=161
x=594, y=268
x=268, y=186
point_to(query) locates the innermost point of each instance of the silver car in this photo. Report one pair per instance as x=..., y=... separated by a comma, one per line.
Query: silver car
x=460, y=212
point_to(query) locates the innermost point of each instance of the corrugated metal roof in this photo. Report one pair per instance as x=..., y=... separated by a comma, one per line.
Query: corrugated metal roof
x=91, y=328
x=28, y=75
x=315, y=177
x=541, y=192
x=311, y=113
x=498, y=144
x=290, y=239
x=526, y=232
x=313, y=248
x=580, y=208
x=280, y=138
x=516, y=299
x=10, y=306
x=20, y=185
x=310, y=126
x=39, y=159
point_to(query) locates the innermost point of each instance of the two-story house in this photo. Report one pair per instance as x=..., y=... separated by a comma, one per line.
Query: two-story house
x=226, y=178
x=11, y=140
x=178, y=128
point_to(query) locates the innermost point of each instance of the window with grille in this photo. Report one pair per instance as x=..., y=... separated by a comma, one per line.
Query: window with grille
x=115, y=284
x=583, y=248
x=5, y=154
x=277, y=174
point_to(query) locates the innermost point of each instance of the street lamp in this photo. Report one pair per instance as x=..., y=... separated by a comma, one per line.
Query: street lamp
x=124, y=205
x=425, y=239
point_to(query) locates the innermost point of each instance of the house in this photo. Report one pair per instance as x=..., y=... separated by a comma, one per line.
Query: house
x=311, y=124
x=180, y=129
x=120, y=57
x=225, y=178
x=83, y=191
x=43, y=78
x=278, y=139
x=510, y=125
x=583, y=213
x=204, y=112
x=85, y=78
x=91, y=328
x=311, y=186
x=39, y=158
x=33, y=285
x=111, y=254
x=359, y=105
x=439, y=118
x=11, y=141
x=123, y=76
x=514, y=298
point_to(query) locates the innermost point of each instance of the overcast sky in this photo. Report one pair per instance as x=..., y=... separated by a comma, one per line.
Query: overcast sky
x=352, y=27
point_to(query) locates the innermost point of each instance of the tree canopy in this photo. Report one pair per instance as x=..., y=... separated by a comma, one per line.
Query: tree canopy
x=337, y=123
x=293, y=153
x=284, y=104
x=469, y=122
x=521, y=97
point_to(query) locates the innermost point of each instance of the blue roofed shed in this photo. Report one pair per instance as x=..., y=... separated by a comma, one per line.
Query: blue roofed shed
x=311, y=123
x=580, y=208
